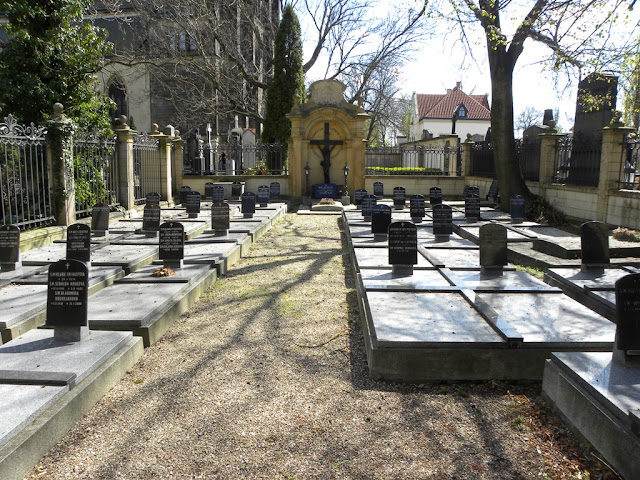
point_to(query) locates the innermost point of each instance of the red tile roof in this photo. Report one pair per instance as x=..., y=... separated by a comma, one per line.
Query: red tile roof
x=443, y=106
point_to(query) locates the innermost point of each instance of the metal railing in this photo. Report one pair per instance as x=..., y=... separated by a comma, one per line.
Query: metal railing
x=96, y=171
x=237, y=159
x=24, y=180
x=578, y=160
x=629, y=178
x=482, y=160
x=147, y=174
x=412, y=160
x=528, y=152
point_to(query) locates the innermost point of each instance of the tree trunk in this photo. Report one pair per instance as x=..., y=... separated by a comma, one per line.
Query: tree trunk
x=508, y=170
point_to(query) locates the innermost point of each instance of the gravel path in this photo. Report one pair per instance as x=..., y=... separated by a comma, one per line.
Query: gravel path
x=266, y=377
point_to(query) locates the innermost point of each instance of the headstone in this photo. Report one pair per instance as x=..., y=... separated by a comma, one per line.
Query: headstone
x=435, y=195
x=171, y=244
x=358, y=196
x=151, y=219
x=325, y=190
x=208, y=191
x=274, y=190
x=403, y=247
x=416, y=208
x=627, y=341
x=67, y=294
x=517, y=208
x=79, y=242
x=472, y=207
x=9, y=248
x=493, y=246
x=399, y=198
x=465, y=192
x=368, y=201
x=100, y=219
x=263, y=195
x=442, y=220
x=220, y=218
x=192, y=202
x=237, y=189
x=183, y=193
x=152, y=197
x=248, y=207
x=594, y=242
x=217, y=194
x=380, y=220
x=472, y=190
x=493, y=193
x=378, y=190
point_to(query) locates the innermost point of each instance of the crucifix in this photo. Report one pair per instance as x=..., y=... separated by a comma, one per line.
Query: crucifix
x=326, y=146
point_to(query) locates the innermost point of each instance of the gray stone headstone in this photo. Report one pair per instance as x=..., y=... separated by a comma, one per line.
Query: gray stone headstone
x=628, y=316
x=274, y=190
x=264, y=194
x=171, y=244
x=378, y=190
x=100, y=219
x=151, y=218
x=472, y=207
x=380, y=219
x=493, y=246
x=217, y=194
x=403, y=246
x=79, y=242
x=183, y=192
x=208, y=191
x=220, y=217
x=435, y=195
x=237, y=189
x=358, y=196
x=248, y=207
x=152, y=197
x=368, y=201
x=9, y=247
x=442, y=220
x=399, y=198
x=192, y=203
x=67, y=296
x=517, y=208
x=594, y=242
x=417, y=208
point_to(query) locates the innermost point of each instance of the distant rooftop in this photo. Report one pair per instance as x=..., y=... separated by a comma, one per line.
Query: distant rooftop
x=443, y=106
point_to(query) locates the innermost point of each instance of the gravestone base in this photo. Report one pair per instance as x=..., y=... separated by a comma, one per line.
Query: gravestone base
x=193, y=215
x=367, y=218
x=629, y=358
x=401, y=270
x=220, y=233
x=174, y=264
x=442, y=238
x=379, y=237
x=10, y=267
x=493, y=271
x=70, y=334
x=247, y=215
x=593, y=269
x=517, y=220
x=358, y=207
x=345, y=200
x=416, y=219
x=398, y=207
x=151, y=234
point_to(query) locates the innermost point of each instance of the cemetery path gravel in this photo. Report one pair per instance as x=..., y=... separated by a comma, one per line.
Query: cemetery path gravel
x=266, y=377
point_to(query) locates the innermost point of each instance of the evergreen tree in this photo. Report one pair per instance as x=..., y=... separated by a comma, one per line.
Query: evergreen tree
x=288, y=79
x=52, y=56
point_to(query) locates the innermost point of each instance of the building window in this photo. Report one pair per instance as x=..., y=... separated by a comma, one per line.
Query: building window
x=462, y=112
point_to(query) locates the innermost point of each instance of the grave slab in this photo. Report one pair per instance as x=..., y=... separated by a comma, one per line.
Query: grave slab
x=186, y=274
x=244, y=240
x=506, y=281
x=222, y=255
x=599, y=399
x=454, y=258
x=384, y=279
x=128, y=257
x=472, y=232
x=365, y=257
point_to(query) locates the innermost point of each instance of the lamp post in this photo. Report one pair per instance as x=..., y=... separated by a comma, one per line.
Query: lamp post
x=306, y=174
x=346, y=174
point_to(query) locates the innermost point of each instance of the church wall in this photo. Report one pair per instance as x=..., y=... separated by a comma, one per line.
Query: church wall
x=137, y=84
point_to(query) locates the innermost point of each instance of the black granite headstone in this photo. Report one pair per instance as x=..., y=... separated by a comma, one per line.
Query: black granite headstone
x=79, y=242
x=628, y=312
x=67, y=294
x=325, y=190
x=100, y=218
x=151, y=218
x=220, y=216
x=435, y=195
x=472, y=190
x=517, y=208
x=358, y=196
x=442, y=219
x=217, y=194
x=248, y=203
x=183, y=192
x=417, y=207
x=399, y=198
x=152, y=197
x=171, y=241
x=368, y=201
x=274, y=190
x=403, y=243
x=9, y=245
x=465, y=192
x=472, y=207
x=192, y=203
x=493, y=245
x=208, y=190
x=378, y=190
x=594, y=241
x=263, y=195
x=380, y=219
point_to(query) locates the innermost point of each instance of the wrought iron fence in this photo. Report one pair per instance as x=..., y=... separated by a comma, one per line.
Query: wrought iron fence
x=528, y=152
x=96, y=171
x=629, y=178
x=24, y=180
x=413, y=160
x=237, y=159
x=578, y=160
x=482, y=160
x=147, y=173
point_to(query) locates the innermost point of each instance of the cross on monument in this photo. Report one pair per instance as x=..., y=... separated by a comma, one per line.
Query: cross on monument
x=326, y=146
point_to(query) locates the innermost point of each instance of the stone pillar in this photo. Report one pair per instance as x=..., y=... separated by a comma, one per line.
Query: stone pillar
x=610, y=163
x=164, y=141
x=548, y=157
x=176, y=169
x=126, y=196
x=466, y=156
x=60, y=159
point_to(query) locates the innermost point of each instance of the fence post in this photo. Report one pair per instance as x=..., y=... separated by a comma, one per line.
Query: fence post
x=466, y=156
x=177, y=161
x=126, y=196
x=60, y=160
x=610, y=163
x=164, y=141
x=548, y=142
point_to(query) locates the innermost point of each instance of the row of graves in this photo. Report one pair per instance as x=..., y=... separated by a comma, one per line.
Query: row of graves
x=440, y=302
x=76, y=314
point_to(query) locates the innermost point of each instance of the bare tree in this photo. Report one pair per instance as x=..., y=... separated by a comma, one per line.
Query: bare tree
x=527, y=118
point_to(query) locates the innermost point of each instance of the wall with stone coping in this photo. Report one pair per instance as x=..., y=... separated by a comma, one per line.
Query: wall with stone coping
x=252, y=182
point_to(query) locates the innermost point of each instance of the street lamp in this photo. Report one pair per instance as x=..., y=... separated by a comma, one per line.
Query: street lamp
x=346, y=174
x=307, y=169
